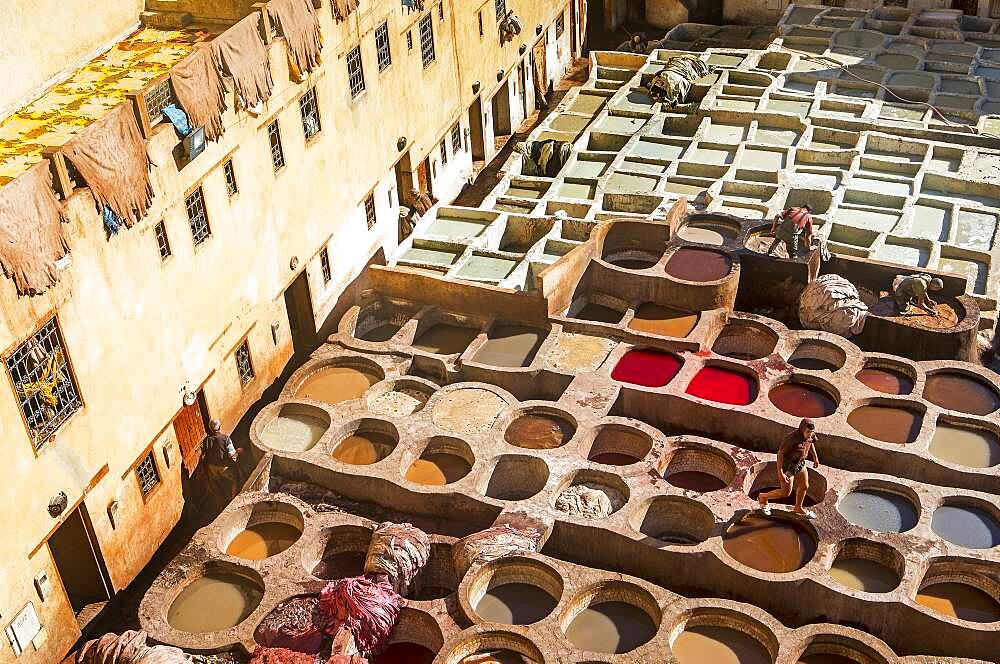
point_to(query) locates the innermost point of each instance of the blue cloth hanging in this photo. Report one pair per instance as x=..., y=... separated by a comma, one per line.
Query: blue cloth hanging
x=178, y=118
x=112, y=223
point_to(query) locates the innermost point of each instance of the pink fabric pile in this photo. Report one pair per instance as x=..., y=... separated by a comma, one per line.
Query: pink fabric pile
x=368, y=609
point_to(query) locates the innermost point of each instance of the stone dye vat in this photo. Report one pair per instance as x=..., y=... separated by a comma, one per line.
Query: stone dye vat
x=966, y=525
x=444, y=339
x=885, y=380
x=263, y=540
x=369, y=443
x=724, y=386
x=515, y=604
x=803, y=399
x=769, y=544
x=708, y=232
x=719, y=645
x=296, y=428
x=335, y=385
x=404, y=653
x=961, y=601
x=664, y=321
x=213, y=602
x=611, y=627
x=965, y=446
x=599, y=313
x=438, y=469
x=619, y=446
x=886, y=423
x=648, y=368
x=878, y=510
x=864, y=575
x=539, y=431
x=961, y=393
x=510, y=346
x=698, y=265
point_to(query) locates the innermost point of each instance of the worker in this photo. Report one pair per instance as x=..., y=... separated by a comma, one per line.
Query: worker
x=637, y=44
x=795, y=451
x=789, y=226
x=912, y=289
x=221, y=462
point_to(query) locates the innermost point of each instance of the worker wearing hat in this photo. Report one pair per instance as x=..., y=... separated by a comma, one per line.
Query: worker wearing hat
x=221, y=461
x=795, y=451
x=913, y=289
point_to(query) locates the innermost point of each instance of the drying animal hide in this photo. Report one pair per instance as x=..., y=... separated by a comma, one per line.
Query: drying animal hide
x=673, y=83
x=492, y=544
x=367, y=609
x=31, y=237
x=198, y=87
x=585, y=502
x=265, y=655
x=300, y=26
x=294, y=625
x=343, y=8
x=545, y=158
x=832, y=303
x=111, y=157
x=128, y=648
x=241, y=53
x=399, y=551
x=421, y=202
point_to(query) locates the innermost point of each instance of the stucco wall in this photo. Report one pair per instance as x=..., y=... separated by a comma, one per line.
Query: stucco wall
x=665, y=13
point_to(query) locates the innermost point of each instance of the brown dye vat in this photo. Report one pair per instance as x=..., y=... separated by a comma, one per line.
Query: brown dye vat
x=496, y=657
x=698, y=265
x=802, y=400
x=214, y=602
x=613, y=459
x=947, y=316
x=438, y=469
x=885, y=423
x=612, y=627
x=718, y=645
x=769, y=545
x=598, y=313
x=959, y=600
x=539, y=432
x=612, y=439
x=263, y=540
x=958, y=392
x=337, y=384
x=824, y=658
x=885, y=380
x=510, y=346
x=965, y=446
x=363, y=449
x=665, y=321
x=633, y=263
x=515, y=604
x=812, y=364
x=693, y=480
x=341, y=565
x=444, y=339
x=380, y=333
x=404, y=653
x=864, y=575
x=808, y=501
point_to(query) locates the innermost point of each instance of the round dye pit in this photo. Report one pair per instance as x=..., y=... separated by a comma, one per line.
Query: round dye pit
x=517, y=477
x=771, y=483
x=708, y=232
x=881, y=511
x=649, y=368
x=695, y=480
x=698, y=265
x=619, y=446
x=885, y=380
x=399, y=402
x=745, y=341
x=510, y=346
x=599, y=313
x=961, y=601
x=664, y=321
x=338, y=384
x=438, y=469
x=812, y=364
x=611, y=627
x=214, y=602
x=724, y=386
x=443, y=339
x=675, y=520
x=263, y=540
x=718, y=645
x=966, y=525
x=633, y=260
x=886, y=423
x=295, y=429
x=515, y=604
x=826, y=658
x=338, y=553
x=803, y=400
x=469, y=411
x=379, y=333
x=363, y=448
x=539, y=431
x=495, y=657
x=768, y=544
x=962, y=393
x=864, y=575
x=593, y=499
x=965, y=446
x=405, y=653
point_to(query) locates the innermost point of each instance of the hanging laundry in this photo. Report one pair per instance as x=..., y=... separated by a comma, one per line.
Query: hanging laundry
x=240, y=53
x=199, y=89
x=300, y=27
x=177, y=118
x=31, y=237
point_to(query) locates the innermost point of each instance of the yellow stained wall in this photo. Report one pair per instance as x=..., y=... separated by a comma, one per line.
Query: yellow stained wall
x=137, y=329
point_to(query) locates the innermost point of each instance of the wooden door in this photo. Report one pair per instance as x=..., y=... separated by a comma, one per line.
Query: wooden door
x=189, y=427
x=424, y=177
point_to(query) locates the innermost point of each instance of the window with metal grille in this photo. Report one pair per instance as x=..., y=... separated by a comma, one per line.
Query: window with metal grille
x=355, y=72
x=441, y=11
x=501, y=6
x=382, y=47
x=456, y=138
x=161, y=240
x=370, y=211
x=244, y=366
x=230, y=175
x=409, y=40
x=481, y=32
x=444, y=153
x=560, y=24
x=43, y=382
x=427, y=40
x=198, y=216
x=157, y=98
x=324, y=265
x=147, y=474
x=309, y=108
x=277, y=153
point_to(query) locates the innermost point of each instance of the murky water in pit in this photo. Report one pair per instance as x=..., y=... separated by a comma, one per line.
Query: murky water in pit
x=885, y=380
x=539, y=432
x=338, y=384
x=612, y=627
x=515, y=604
x=214, y=602
x=959, y=600
x=293, y=432
x=865, y=575
x=708, y=644
x=438, y=469
x=768, y=544
x=364, y=448
x=263, y=540
x=965, y=446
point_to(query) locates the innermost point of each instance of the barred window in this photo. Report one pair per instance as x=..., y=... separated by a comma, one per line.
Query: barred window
x=230, y=174
x=277, y=153
x=157, y=98
x=427, y=40
x=370, y=211
x=198, y=216
x=382, y=47
x=560, y=24
x=481, y=32
x=456, y=138
x=309, y=108
x=244, y=366
x=441, y=11
x=43, y=383
x=409, y=40
x=501, y=6
x=324, y=265
x=444, y=153
x=148, y=474
x=355, y=72
x=162, y=241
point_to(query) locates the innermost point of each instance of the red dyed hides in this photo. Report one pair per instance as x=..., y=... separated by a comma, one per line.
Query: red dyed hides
x=262, y=655
x=648, y=368
x=295, y=625
x=366, y=608
x=723, y=386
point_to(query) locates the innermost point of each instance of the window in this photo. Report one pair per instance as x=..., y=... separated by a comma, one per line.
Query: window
x=355, y=72
x=161, y=240
x=441, y=11
x=147, y=474
x=382, y=46
x=409, y=40
x=560, y=24
x=370, y=211
x=309, y=108
x=456, y=138
x=277, y=154
x=501, y=6
x=197, y=216
x=157, y=98
x=243, y=364
x=481, y=33
x=444, y=153
x=392, y=197
x=324, y=265
x=230, y=175
x=43, y=383
x=427, y=39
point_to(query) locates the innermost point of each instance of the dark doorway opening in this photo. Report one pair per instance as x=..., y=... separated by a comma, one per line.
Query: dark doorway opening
x=476, y=133
x=501, y=112
x=636, y=11
x=79, y=561
x=301, y=322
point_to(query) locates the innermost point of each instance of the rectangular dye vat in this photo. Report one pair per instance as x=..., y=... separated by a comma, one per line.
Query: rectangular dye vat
x=930, y=222
x=706, y=154
x=648, y=149
x=880, y=221
x=585, y=190
x=975, y=230
x=486, y=268
x=974, y=271
x=726, y=133
x=620, y=124
x=588, y=168
x=795, y=107
x=625, y=182
x=456, y=228
x=588, y=104
x=905, y=254
x=430, y=256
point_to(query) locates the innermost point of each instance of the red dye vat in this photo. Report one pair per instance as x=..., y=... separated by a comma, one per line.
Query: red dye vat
x=404, y=653
x=723, y=386
x=649, y=368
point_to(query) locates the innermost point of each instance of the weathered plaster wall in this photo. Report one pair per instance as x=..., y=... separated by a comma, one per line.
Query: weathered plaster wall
x=666, y=13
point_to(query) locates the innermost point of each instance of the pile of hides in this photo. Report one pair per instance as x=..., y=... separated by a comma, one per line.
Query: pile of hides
x=300, y=26
x=673, y=83
x=544, y=158
x=266, y=655
x=832, y=303
x=421, y=201
x=129, y=648
x=343, y=8
x=199, y=89
x=368, y=609
x=399, y=551
x=494, y=543
x=31, y=237
x=240, y=53
x=319, y=498
x=294, y=625
x=110, y=156
x=585, y=502
x=510, y=26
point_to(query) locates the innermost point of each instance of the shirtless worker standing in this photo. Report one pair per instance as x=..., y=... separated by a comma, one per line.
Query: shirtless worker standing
x=795, y=450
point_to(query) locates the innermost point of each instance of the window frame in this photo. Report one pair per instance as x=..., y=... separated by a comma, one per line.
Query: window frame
x=309, y=99
x=196, y=234
x=275, y=146
x=383, y=46
x=150, y=456
x=355, y=77
x=162, y=240
x=371, y=214
x=428, y=49
x=560, y=24
x=241, y=356
x=444, y=152
x=456, y=138
x=501, y=8
x=324, y=265
x=229, y=175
